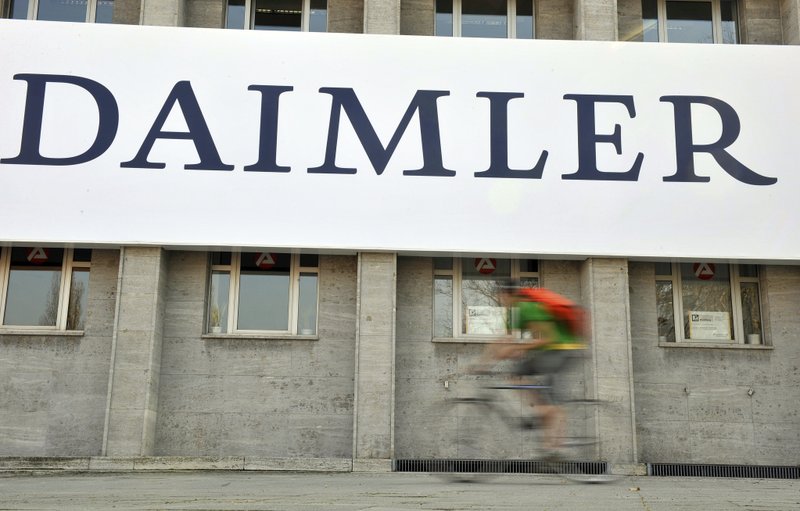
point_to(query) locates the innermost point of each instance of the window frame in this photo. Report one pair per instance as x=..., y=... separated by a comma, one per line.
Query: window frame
x=511, y=13
x=33, y=10
x=716, y=20
x=249, y=15
x=68, y=266
x=737, y=316
x=234, y=270
x=457, y=276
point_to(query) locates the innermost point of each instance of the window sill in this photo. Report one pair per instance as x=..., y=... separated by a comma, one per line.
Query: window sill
x=261, y=337
x=474, y=340
x=41, y=333
x=714, y=345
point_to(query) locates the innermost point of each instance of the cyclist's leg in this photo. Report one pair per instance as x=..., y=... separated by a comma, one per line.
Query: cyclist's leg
x=549, y=363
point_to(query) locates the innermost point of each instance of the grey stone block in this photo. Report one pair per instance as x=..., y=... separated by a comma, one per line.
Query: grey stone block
x=327, y=436
x=722, y=442
x=189, y=463
x=188, y=434
x=299, y=464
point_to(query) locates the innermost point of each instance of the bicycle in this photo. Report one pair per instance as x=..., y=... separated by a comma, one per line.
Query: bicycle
x=490, y=438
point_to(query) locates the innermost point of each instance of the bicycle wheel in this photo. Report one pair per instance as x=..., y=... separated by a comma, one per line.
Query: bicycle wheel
x=577, y=462
x=478, y=445
x=580, y=454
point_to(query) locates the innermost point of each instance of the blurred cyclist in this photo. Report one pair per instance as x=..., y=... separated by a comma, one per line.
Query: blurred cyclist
x=552, y=336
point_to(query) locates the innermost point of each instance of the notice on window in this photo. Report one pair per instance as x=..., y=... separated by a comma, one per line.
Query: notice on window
x=709, y=325
x=486, y=320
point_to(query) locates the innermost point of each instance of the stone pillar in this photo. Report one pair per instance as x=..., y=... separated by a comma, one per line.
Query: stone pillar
x=165, y=13
x=127, y=12
x=136, y=353
x=381, y=16
x=205, y=13
x=790, y=15
x=373, y=422
x=609, y=370
x=346, y=16
x=596, y=20
x=416, y=17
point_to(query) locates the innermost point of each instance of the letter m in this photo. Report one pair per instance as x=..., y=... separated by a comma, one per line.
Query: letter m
x=424, y=102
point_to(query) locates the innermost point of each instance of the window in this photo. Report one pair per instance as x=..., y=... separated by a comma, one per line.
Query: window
x=98, y=11
x=295, y=15
x=485, y=18
x=44, y=288
x=465, y=294
x=679, y=21
x=716, y=303
x=263, y=292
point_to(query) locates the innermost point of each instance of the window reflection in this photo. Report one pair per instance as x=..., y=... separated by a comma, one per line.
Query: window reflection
x=34, y=284
x=318, y=16
x=704, y=294
x=689, y=22
x=264, y=291
x=524, y=19
x=484, y=18
x=263, y=300
x=730, y=33
x=78, y=298
x=19, y=9
x=443, y=306
x=307, y=304
x=235, y=14
x=649, y=21
x=62, y=10
x=218, y=301
x=481, y=311
x=444, y=17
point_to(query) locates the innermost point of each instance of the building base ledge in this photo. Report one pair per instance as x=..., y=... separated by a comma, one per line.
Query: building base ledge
x=169, y=463
x=628, y=469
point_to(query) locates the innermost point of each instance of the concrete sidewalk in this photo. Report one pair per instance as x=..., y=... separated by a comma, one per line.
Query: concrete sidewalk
x=383, y=492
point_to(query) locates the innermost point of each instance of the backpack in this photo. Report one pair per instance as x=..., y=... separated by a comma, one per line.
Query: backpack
x=563, y=309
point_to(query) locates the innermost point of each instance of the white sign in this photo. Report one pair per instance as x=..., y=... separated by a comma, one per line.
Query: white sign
x=707, y=325
x=486, y=320
x=114, y=134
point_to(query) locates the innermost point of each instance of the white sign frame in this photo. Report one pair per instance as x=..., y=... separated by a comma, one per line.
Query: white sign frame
x=98, y=202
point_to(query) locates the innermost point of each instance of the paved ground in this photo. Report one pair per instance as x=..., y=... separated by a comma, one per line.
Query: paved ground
x=385, y=492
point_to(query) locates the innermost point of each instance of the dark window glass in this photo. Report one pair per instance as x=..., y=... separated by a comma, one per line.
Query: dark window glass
x=82, y=255
x=37, y=257
x=221, y=258
x=663, y=269
x=529, y=265
x=443, y=263
x=309, y=260
x=748, y=270
x=278, y=15
x=266, y=261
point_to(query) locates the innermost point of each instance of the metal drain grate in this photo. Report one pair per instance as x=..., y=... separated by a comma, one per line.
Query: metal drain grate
x=499, y=466
x=743, y=471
